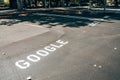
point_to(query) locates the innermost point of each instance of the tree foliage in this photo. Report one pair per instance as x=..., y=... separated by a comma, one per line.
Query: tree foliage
x=54, y=3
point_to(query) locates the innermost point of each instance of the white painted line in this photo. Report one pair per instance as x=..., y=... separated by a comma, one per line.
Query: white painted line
x=29, y=78
x=93, y=23
x=53, y=23
x=102, y=19
x=106, y=17
x=32, y=25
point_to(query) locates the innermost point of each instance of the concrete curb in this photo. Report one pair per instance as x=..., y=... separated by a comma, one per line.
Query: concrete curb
x=70, y=10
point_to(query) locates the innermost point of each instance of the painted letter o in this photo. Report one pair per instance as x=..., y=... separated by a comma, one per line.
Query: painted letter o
x=33, y=58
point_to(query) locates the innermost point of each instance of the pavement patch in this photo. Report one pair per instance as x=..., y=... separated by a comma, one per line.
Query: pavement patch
x=20, y=31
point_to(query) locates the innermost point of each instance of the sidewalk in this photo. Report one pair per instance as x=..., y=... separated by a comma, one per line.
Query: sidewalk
x=73, y=10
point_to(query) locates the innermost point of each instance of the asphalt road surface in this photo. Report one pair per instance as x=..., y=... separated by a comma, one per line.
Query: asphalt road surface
x=67, y=49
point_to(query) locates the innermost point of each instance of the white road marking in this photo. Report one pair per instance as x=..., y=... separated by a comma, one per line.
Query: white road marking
x=54, y=23
x=115, y=48
x=24, y=64
x=42, y=53
x=33, y=58
x=29, y=78
x=93, y=24
x=28, y=24
x=49, y=48
x=102, y=19
x=56, y=46
x=106, y=17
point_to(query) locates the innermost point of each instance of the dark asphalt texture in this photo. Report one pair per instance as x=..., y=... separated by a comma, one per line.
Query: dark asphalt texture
x=93, y=53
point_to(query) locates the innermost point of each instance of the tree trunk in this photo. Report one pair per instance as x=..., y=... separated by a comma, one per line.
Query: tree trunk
x=13, y=4
x=116, y=3
x=44, y=3
x=19, y=4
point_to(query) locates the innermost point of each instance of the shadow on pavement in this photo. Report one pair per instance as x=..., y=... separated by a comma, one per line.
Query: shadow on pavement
x=52, y=20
